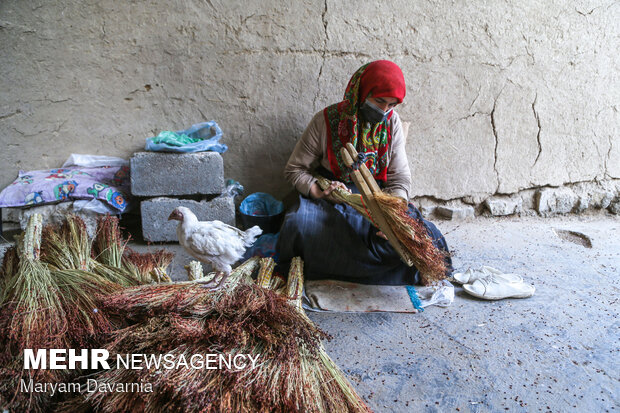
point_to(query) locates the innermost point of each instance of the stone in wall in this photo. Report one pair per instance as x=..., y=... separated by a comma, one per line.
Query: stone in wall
x=555, y=201
x=614, y=207
x=455, y=213
x=504, y=206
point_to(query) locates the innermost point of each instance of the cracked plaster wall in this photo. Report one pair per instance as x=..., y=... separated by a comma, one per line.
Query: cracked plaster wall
x=502, y=96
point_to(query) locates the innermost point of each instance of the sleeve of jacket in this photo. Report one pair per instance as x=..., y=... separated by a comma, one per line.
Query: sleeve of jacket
x=398, y=173
x=307, y=151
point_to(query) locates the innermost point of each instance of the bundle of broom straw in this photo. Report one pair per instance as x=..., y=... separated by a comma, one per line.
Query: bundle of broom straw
x=44, y=306
x=61, y=291
x=125, y=266
x=293, y=373
x=410, y=232
x=50, y=284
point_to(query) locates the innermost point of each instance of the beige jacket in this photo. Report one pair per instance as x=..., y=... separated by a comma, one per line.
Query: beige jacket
x=312, y=149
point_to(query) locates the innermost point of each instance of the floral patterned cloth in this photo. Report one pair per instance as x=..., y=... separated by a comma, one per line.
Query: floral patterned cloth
x=109, y=184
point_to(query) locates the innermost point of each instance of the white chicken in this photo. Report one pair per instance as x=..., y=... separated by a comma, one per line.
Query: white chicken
x=214, y=242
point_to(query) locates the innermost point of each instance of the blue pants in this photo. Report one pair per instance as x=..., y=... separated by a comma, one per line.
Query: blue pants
x=336, y=242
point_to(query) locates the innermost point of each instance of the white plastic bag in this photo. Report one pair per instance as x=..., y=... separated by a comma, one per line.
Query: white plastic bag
x=95, y=206
x=94, y=161
x=440, y=294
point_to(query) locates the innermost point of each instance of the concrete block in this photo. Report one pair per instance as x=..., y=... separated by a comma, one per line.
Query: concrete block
x=155, y=213
x=455, y=213
x=501, y=207
x=165, y=174
x=555, y=201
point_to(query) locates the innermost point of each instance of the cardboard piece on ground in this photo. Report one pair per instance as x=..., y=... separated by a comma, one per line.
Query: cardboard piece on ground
x=347, y=297
x=342, y=296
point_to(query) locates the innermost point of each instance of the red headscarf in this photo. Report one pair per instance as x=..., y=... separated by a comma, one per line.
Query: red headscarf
x=380, y=78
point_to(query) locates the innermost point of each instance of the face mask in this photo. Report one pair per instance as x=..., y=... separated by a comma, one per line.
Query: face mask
x=372, y=113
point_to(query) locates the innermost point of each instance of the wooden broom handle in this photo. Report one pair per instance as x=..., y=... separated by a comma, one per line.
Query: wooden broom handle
x=370, y=180
x=375, y=211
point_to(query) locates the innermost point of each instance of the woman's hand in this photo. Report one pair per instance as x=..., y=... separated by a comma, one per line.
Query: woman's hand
x=317, y=193
x=382, y=235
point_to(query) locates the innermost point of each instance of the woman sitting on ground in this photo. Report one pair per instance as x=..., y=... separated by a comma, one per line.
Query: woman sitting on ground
x=334, y=240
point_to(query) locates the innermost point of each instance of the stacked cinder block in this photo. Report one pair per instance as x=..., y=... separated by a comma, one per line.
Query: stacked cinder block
x=168, y=180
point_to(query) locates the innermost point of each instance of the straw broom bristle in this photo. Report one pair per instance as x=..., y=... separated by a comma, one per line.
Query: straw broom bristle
x=265, y=272
x=46, y=308
x=194, y=270
x=10, y=264
x=427, y=258
x=185, y=318
x=148, y=267
x=353, y=200
x=67, y=246
x=109, y=244
x=181, y=319
x=327, y=382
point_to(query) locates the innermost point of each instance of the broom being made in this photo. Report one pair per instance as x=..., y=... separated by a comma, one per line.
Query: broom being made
x=390, y=214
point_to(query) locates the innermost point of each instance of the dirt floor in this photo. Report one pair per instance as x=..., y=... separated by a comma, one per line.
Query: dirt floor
x=556, y=351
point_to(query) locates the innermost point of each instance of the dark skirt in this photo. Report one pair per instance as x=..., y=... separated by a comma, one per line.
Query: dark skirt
x=336, y=242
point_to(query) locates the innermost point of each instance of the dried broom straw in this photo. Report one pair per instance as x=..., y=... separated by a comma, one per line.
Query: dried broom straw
x=138, y=303
x=10, y=264
x=109, y=244
x=427, y=258
x=43, y=308
x=342, y=395
x=186, y=319
x=194, y=271
x=354, y=200
x=148, y=267
x=67, y=246
x=265, y=272
x=277, y=284
x=30, y=313
x=108, y=250
x=49, y=298
x=295, y=282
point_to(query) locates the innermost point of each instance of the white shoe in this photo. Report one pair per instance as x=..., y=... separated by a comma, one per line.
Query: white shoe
x=471, y=275
x=492, y=287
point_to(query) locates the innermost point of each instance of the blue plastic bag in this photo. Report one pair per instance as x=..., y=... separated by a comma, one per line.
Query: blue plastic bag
x=209, y=134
